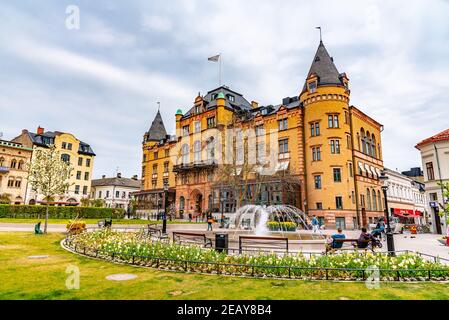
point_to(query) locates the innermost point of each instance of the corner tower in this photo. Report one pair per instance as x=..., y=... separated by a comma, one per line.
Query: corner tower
x=327, y=147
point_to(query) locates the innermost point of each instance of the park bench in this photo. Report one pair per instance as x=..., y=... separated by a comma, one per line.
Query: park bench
x=192, y=238
x=105, y=223
x=254, y=243
x=37, y=228
x=153, y=230
x=354, y=243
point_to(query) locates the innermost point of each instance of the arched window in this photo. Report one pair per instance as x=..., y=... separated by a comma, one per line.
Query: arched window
x=13, y=163
x=10, y=182
x=368, y=143
x=211, y=150
x=358, y=141
x=20, y=166
x=185, y=153
x=182, y=203
x=373, y=146
x=197, y=151
x=65, y=157
x=363, y=137
x=18, y=183
x=374, y=201
x=2, y=161
x=368, y=198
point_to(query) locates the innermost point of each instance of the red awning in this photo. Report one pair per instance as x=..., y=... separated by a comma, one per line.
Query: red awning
x=406, y=213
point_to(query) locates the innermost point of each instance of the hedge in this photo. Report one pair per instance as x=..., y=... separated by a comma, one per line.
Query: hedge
x=38, y=211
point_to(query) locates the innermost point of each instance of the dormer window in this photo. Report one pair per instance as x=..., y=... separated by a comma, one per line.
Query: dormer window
x=230, y=97
x=214, y=96
x=312, y=86
x=264, y=111
x=197, y=109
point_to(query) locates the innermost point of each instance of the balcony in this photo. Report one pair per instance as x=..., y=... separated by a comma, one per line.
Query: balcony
x=4, y=170
x=198, y=165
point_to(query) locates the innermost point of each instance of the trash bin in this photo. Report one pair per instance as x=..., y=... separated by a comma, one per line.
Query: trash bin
x=221, y=242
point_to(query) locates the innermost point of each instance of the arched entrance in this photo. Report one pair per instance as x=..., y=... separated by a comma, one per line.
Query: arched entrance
x=197, y=198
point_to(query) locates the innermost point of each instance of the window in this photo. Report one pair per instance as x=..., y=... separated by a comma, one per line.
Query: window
x=316, y=153
x=211, y=150
x=315, y=129
x=348, y=142
x=166, y=164
x=69, y=146
x=13, y=163
x=319, y=206
x=85, y=190
x=368, y=198
x=154, y=168
x=123, y=195
x=430, y=173
x=86, y=176
x=18, y=183
x=186, y=130
x=10, y=182
x=143, y=172
x=374, y=201
x=260, y=152
x=156, y=155
x=351, y=173
x=337, y=175
x=211, y=122
x=197, y=126
x=167, y=152
x=283, y=124
x=259, y=131
x=231, y=98
x=333, y=121
x=87, y=162
x=77, y=189
x=20, y=165
x=185, y=153
x=283, y=146
x=340, y=223
x=64, y=145
x=346, y=117
x=197, y=109
x=317, y=182
x=380, y=200
x=117, y=194
x=99, y=194
x=65, y=158
x=339, y=203
x=197, y=151
x=312, y=87
x=78, y=175
x=335, y=146
x=107, y=193
x=80, y=161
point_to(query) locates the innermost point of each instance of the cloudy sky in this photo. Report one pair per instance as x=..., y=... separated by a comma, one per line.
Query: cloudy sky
x=103, y=80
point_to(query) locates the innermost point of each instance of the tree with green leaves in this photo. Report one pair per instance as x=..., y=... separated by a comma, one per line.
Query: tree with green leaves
x=49, y=175
x=445, y=205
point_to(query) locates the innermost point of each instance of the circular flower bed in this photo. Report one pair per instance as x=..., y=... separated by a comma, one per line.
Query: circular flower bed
x=137, y=249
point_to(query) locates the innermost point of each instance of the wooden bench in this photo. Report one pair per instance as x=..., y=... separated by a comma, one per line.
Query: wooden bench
x=192, y=238
x=254, y=243
x=354, y=242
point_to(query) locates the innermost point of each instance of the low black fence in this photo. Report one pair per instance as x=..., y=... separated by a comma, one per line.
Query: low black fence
x=262, y=271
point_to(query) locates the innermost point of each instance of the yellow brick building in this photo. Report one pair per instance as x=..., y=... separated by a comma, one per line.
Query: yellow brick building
x=314, y=151
x=78, y=153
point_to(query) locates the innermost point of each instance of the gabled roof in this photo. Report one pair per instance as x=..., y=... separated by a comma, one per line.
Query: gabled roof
x=157, y=130
x=442, y=136
x=118, y=182
x=323, y=66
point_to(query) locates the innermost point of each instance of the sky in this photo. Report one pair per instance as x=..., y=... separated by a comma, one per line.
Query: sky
x=102, y=81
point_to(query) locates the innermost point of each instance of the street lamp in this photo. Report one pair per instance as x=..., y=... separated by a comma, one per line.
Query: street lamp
x=164, y=221
x=390, y=239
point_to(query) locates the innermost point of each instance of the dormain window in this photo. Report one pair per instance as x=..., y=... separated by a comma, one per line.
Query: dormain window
x=312, y=87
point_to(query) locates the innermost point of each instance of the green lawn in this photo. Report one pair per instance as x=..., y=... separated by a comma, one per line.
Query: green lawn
x=89, y=221
x=22, y=278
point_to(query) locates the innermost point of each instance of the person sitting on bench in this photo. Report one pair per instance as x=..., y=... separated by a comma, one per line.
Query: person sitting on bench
x=335, y=245
x=364, y=239
x=37, y=228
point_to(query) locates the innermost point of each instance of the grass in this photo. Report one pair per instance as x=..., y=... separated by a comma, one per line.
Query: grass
x=23, y=278
x=89, y=221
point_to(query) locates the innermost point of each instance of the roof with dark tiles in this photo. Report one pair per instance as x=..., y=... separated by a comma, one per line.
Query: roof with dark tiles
x=157, y=130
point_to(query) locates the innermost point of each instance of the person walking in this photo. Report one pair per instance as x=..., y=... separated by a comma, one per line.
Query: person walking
x=210, y=220
x=315, y=224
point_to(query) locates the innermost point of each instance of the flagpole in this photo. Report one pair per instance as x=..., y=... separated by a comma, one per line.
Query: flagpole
x=219, y=71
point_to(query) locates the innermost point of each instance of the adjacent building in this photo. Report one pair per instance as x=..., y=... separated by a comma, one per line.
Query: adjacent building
x=13, y=172
x=314, y=150
x=406, y=198
x=435, y=160
x=116, y=192
x=78, y=153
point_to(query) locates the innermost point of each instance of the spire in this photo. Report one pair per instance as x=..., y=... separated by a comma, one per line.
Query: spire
x=323, y=66
x=157, y=131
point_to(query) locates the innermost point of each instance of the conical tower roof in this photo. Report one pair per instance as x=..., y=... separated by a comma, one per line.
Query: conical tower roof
x=157, y=130
x=323, y=66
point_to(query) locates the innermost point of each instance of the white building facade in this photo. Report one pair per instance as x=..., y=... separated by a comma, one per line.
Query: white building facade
x=435, y=159
x=116, y=192
x=406, y=198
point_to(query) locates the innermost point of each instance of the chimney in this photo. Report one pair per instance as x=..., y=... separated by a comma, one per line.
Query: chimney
x=103, y=176
x=40, y=130
x=255, y=104
x=119, y=175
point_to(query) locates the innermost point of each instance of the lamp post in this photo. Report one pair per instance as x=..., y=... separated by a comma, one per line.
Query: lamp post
x=164, y=221
x=222, y=200
x=390, y=237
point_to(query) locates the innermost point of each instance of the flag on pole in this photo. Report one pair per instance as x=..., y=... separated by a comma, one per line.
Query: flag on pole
x=214, y=58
